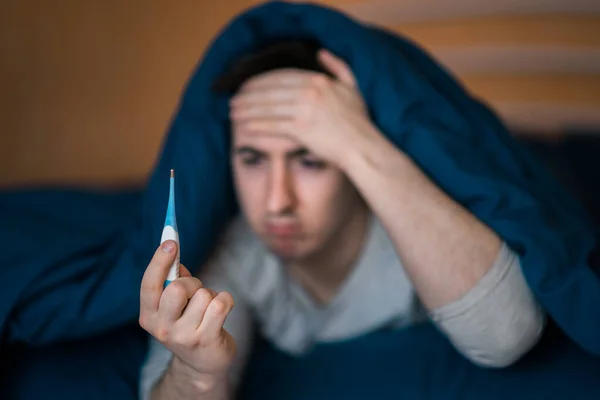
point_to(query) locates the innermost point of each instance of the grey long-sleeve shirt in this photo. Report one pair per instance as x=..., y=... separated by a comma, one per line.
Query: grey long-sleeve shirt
x=493, y=325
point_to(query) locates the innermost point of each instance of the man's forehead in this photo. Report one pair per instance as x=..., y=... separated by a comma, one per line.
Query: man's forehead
x=267, y=142
x=275, y=76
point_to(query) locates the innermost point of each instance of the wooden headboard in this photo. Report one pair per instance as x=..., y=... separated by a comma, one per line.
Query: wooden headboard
x=536, y=62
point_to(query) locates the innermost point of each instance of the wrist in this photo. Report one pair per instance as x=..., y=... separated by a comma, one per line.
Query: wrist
x=367, y=152
x=202, y=382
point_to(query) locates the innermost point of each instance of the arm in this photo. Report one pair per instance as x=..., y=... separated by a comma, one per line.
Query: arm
x=168, y=372
x=472, y=283
x=180, y=382
x=419, y=217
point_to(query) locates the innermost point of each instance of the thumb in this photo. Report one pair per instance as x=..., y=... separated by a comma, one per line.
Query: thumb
x=337, y=67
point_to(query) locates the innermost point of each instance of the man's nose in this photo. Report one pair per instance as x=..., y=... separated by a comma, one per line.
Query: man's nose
x=281, y=197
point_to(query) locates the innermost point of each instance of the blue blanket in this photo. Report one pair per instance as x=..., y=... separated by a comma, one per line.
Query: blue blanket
x=73, y=259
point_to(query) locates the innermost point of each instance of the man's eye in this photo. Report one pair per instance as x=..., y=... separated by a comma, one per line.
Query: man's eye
x=312, y=164
x=252, y=160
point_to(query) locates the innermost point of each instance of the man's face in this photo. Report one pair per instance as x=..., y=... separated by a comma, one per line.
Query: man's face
x=295, y=202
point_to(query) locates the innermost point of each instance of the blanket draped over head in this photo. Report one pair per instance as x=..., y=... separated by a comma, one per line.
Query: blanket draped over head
x=73, y=259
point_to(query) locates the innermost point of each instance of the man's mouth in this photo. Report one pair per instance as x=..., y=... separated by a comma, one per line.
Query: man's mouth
x=283, y=230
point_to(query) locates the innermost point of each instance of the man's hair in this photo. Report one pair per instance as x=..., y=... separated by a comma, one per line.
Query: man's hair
x=300, y=54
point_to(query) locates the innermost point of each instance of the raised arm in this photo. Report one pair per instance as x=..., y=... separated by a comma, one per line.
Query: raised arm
x=200, y=341
x=470, y=280
x=464, y=274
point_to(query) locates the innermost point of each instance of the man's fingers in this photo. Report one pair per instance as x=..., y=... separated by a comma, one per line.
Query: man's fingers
x=271, y=95
x=196, y=308
x=273, y=126
x=280, y=77
x=338, y=67
x=155, y=275
x=258, y=111
x=212, y=324
x=183, y=271
x=175, y=297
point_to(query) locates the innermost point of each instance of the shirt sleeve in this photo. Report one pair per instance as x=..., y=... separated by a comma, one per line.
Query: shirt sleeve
x=498, y=320
x=238, y=324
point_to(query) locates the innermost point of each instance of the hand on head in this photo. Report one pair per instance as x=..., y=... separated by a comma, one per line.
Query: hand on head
x=324, y=114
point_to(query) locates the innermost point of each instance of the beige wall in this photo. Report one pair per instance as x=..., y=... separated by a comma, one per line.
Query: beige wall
x=89, y=87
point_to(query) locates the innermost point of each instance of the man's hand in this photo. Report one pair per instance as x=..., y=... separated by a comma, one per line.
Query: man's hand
x=323, y=114
x=187, y=319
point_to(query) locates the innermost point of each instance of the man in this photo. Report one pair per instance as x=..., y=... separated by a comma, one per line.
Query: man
x=340, y=234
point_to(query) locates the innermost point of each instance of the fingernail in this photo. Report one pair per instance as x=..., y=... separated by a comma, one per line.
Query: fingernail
x=168, y=246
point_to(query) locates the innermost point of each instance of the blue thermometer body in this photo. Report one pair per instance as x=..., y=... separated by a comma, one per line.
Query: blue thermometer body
x=170, y=230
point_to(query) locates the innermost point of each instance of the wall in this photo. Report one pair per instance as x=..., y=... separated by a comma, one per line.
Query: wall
x=89, y=87
x=536, y=62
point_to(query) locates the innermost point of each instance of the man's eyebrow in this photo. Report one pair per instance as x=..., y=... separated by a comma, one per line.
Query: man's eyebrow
x=295, y=153
x=249, y=151
x=298, y=152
